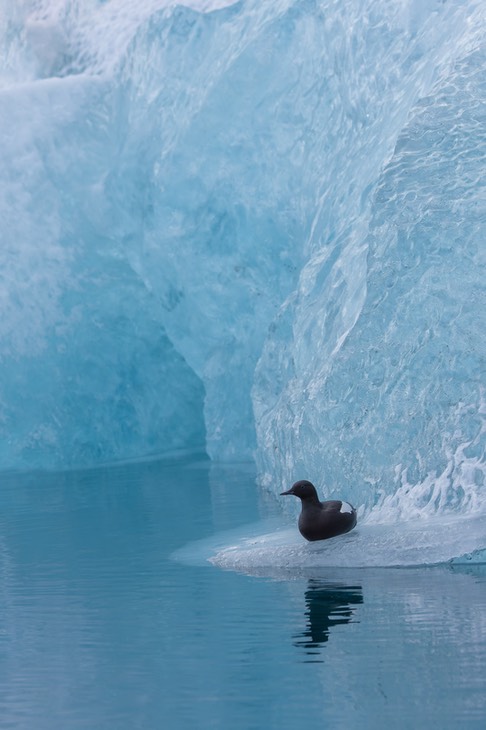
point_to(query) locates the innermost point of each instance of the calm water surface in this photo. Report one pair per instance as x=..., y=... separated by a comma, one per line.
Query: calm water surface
x=101, y=628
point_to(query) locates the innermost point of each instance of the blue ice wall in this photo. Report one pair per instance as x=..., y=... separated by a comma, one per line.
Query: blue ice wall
x=387, y=376
x=88, y=372
x=258, y=228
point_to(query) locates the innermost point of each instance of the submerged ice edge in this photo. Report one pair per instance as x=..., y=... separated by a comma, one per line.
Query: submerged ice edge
x=269, y=547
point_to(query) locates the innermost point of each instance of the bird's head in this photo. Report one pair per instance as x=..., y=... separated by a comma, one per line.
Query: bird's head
x=303, y=490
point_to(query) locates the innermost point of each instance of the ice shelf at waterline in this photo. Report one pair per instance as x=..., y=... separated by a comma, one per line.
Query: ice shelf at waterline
x=247, y=227
x=273, y=549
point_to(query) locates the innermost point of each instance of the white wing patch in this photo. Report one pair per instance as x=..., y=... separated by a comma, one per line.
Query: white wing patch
x=345, y=507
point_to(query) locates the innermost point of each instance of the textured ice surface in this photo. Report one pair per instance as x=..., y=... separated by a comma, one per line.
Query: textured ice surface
x=271, y=550
x=256, y=226
x=379, y=354
x=88, y=373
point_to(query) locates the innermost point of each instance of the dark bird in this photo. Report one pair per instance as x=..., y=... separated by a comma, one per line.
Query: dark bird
x=321, y=520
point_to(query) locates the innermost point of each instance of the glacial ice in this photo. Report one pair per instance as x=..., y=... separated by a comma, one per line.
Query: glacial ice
x=255, y=228
x=272, y=550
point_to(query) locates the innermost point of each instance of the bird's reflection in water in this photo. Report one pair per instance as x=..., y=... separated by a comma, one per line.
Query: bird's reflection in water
x=327, y=605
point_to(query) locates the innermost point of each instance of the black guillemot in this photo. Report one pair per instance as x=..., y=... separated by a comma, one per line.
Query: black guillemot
x=321, y=520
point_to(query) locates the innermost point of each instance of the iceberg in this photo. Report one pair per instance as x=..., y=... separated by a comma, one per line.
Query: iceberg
x=251, y=228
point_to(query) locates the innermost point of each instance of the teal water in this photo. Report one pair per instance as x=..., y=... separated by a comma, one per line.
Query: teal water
x=102, y=628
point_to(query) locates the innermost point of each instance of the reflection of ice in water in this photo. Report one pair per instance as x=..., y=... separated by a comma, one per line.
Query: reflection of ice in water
x=435, y=614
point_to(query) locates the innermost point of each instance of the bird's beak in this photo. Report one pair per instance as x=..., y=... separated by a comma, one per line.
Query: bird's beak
x=289, y=491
